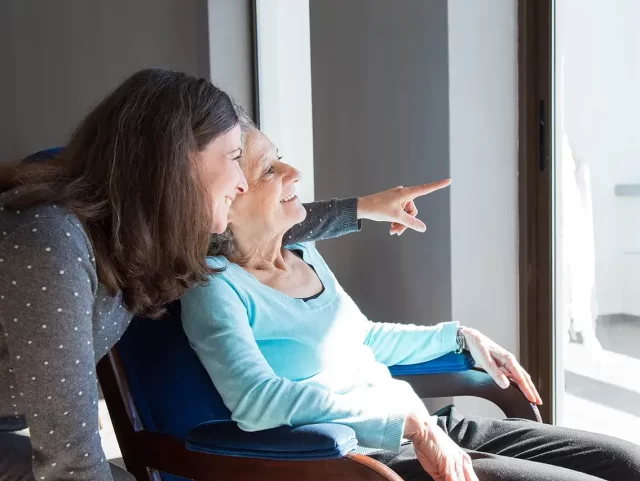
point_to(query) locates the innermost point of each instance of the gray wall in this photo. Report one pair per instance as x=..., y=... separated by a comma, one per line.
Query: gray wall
x=409, y=92
x=59, y=58
x=381, y=118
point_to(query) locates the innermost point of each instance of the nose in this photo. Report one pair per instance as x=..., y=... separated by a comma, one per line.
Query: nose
x=242, y=185
x=292, y=175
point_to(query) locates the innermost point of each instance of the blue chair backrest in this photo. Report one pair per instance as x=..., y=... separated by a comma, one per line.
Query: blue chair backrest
x=172, y=390
x=43, y=155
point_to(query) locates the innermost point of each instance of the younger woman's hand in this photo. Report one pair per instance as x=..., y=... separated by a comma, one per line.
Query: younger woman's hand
x=396, y=206
x=397, y=228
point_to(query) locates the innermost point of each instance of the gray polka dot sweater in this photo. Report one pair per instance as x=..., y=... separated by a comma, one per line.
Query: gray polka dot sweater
x=57, y=321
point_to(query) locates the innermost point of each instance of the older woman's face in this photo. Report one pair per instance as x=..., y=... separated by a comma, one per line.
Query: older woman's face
x=270, y=205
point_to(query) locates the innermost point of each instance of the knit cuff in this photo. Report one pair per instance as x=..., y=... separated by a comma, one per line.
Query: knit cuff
x=349, y=221
x=392, y=437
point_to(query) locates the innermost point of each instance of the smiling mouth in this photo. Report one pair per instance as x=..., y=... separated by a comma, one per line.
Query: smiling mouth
x=289, y=198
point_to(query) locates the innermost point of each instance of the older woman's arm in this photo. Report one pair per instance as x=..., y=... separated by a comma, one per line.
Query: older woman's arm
x=394, y=344
x=216, y=322
x=325, y=220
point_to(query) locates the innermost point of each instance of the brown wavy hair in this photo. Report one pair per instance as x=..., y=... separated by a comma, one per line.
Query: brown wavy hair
x=131, y=174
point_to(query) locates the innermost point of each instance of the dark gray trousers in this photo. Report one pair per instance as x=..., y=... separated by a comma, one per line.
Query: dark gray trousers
x=517, y=449
x=15, y=460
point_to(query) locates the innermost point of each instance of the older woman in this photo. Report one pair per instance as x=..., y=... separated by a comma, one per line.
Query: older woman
x=285, y=345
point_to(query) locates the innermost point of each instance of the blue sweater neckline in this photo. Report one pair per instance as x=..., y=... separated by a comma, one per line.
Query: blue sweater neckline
x=322, y=271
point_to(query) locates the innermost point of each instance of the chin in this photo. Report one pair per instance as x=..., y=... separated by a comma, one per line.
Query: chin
x=218, y=230
x=219, y=226
x=301, y=212
x=294, y=215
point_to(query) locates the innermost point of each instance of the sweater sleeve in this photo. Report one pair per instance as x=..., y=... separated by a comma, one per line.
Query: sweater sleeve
x=216, y=322
x=48, y=281
x=325, y=220
x=410, y=344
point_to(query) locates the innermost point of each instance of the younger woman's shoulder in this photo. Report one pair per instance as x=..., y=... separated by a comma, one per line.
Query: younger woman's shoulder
x=52, y=224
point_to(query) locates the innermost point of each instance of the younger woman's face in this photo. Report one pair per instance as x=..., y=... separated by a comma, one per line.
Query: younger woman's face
x=223, y=175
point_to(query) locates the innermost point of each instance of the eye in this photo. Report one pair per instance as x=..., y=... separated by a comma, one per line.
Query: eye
x=238, y=157
x=271, y=170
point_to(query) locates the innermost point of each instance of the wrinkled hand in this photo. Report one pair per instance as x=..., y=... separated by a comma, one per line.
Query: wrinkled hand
x=396, y=206
x=440, y=457
x=499, y=363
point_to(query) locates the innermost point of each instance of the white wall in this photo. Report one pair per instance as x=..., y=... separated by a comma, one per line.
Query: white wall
x=483, y=130
x=284, y=79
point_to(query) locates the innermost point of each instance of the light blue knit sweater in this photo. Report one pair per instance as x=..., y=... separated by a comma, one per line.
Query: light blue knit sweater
x=280, y=361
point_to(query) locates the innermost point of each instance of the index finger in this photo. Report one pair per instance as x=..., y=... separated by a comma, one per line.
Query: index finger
x=419, y=190
x=526, y=385
x=522, y=380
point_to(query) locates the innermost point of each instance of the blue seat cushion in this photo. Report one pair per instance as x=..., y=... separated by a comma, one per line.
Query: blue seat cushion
x=314, y=441
x=451, y=362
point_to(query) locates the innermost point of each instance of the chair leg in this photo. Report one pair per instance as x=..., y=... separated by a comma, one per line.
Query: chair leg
x=137, y=468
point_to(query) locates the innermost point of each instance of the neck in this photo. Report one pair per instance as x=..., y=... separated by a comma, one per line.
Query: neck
x=259, y=252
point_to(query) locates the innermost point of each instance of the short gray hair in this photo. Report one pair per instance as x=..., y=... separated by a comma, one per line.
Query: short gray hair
x=224, y=244
x=245, y=121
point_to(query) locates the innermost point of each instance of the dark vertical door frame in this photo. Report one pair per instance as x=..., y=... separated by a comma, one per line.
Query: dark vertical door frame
x=535, y=195
x=253, y=9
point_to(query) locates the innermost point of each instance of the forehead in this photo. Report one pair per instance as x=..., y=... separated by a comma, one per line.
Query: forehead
x=228, y=141
x=258, y=148
x=226, y=144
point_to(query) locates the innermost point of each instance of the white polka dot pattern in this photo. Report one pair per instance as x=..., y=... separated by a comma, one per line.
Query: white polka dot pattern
x=52, y=314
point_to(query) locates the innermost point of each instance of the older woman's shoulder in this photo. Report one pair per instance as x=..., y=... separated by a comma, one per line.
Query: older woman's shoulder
x=218, y=262
x=225, y=286
x=308, y=249
x=224, y=272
